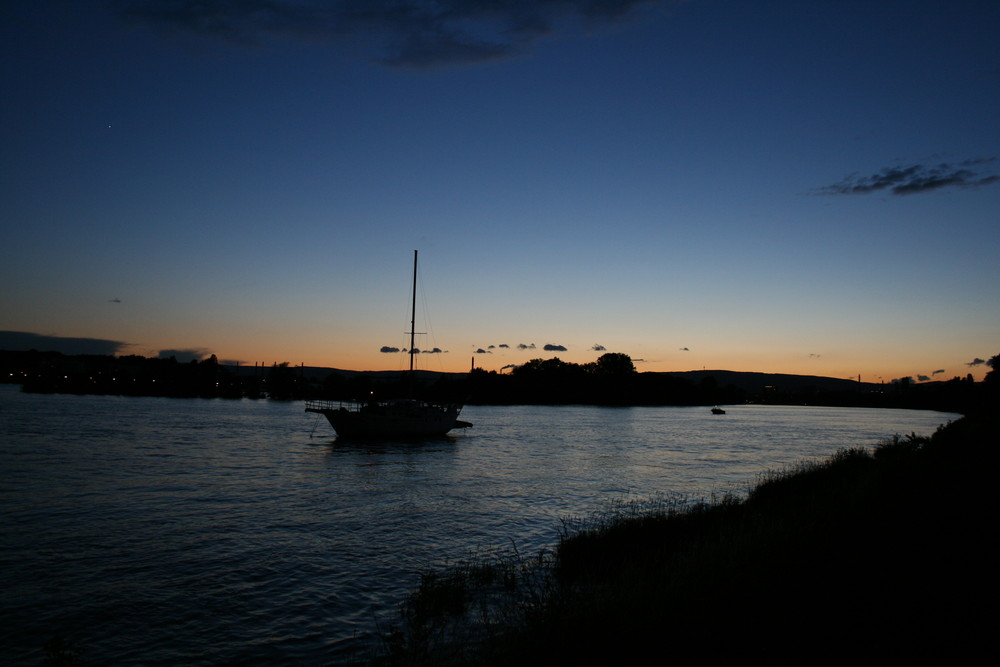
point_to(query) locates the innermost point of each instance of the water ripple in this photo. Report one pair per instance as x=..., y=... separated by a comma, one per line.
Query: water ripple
x=206, y=532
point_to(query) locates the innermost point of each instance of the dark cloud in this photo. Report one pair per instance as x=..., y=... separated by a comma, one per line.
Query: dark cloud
x=482, y=351
x=17, y=341
x=814, y=356
x=549, y=347
x=434, y=350
x=184, y=356
x=684, y=349
x=938, y=372
x=522, y=346
x=976, y=362
x=922, y=378
x=504, y=346
x=388, y=349
x=409, y=33
x=916, y=178
x=598, y=348
x=503, y=368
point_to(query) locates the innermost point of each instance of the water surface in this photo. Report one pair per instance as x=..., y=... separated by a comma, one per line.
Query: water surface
x=167, y=531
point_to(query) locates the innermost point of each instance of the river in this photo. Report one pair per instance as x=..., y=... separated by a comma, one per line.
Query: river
x=165, y=531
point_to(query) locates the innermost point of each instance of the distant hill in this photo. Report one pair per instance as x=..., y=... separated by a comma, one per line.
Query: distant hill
x=744, y=380
x=752, y=382
x=550, y=383
x=320, y=373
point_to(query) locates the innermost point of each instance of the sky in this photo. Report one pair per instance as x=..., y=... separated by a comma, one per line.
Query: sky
x=775, y=186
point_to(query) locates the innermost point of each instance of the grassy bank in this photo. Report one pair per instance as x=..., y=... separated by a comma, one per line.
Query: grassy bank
x=876, y=554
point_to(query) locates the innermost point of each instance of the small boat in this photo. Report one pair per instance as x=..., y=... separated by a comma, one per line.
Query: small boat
x=718, y=411
x=396, y=418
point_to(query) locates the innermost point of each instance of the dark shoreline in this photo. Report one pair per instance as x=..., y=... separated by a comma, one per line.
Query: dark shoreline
x=875, y=555
x=539, y=382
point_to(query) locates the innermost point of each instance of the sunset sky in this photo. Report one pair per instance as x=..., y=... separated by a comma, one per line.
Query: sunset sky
x=777, y=186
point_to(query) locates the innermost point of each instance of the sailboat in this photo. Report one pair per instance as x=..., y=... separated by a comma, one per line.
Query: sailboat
x=395, y=418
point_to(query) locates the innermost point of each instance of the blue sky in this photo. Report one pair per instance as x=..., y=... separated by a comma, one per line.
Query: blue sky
x=764, y=186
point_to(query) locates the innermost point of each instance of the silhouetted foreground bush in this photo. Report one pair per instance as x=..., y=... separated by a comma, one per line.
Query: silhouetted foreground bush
x=873, y=556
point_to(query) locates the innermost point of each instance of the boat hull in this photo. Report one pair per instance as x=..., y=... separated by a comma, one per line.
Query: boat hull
x=391, y=420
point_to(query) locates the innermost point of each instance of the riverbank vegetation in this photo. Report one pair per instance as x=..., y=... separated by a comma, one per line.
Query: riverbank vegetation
x=611, y=380
x=878, y=554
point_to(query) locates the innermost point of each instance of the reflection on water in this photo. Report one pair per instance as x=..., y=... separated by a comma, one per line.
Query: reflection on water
x=166, y=531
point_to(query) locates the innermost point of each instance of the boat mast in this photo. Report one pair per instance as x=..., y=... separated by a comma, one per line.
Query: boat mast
x=413, y=328
x=413, y=315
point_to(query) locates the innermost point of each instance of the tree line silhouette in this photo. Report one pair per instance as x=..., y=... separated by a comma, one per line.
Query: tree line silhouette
x=610, y=380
